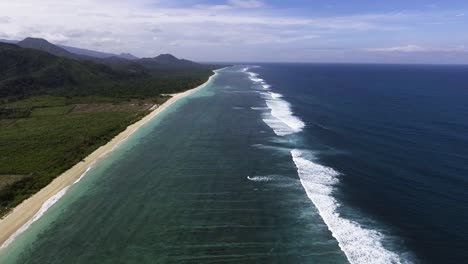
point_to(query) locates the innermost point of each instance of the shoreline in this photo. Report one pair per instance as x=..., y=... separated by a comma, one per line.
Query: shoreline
x=31, y=209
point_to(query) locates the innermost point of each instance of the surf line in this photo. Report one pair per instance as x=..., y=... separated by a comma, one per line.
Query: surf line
x=359, y=244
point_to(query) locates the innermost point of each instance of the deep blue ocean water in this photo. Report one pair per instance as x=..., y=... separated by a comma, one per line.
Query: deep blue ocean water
x=279, y=163
x=398, y=135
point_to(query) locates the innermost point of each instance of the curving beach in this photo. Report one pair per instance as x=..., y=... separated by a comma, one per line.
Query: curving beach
x=22, y=216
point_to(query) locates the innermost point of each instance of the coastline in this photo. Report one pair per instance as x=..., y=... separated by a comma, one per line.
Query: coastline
x=31, y=209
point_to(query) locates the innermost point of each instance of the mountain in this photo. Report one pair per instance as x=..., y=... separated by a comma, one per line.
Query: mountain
x=171, y=60
x=25, y=71
x=59, y=50
x=119, y=62
x=44, y=45
x=167, y=61
x=87, y=52
x=8, y=41
x=97, y=54
x=127, y=56
x=114, y=61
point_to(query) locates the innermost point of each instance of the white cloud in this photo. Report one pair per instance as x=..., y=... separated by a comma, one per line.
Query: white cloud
x=407, y=48
x=416, y=48
x=4, y=19
x=214, y=7
x=233, y=4
x=246, y=3
x=234, y=29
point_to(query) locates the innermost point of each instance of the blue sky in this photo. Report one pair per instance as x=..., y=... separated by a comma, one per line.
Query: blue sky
x=394, y=31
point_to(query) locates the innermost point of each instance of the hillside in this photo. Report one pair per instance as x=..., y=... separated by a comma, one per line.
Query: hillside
x=26, y=72
x=97, y=54
x=167, y=60
x=127, y=56
x=44, y=45
x=124, y=62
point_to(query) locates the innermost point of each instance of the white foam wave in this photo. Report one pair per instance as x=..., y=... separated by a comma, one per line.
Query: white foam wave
x=359, y=244
x=49, y=203
x=281, y=118
x=275, y=95
x=259, y=108
x=82, y=175
x=252, y=74
x=260, y=178
x=254, y=77
x=256, y=80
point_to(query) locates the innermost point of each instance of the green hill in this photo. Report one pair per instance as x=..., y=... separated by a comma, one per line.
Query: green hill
x=44, y=45
x=25, y=72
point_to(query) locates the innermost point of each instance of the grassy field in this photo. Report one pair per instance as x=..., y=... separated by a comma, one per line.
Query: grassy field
x=52, y=138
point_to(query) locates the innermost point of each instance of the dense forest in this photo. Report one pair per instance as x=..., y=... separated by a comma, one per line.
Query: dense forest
x=26, y=72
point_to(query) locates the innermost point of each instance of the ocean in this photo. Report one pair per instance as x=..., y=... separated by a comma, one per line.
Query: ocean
x=278, y=163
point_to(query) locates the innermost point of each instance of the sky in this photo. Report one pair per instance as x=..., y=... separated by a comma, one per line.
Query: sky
x=349, y=31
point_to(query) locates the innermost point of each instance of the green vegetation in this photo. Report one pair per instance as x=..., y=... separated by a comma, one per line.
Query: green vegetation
x=28, y=72
x=51, y=111
x=54, y=111
x=52, y=139
x=48, y=145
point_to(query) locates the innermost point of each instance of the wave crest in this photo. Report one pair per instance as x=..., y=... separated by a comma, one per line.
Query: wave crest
x=280, y=117
x=359, y=244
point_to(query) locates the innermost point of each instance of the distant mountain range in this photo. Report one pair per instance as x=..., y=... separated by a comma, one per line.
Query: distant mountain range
x=124, y=62
x=36, y=66
x=166, y=60
x=8, y=41
x=25, y=71
x=44, y=45
x=62, y=50
x=98, y=54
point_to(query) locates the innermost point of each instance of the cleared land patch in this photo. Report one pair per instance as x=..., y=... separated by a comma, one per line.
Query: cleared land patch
x=6, y=180
x=108, y=107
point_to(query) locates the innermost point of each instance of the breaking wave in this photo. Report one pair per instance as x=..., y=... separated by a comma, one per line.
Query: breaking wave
x=280, y=117
x=359, y=244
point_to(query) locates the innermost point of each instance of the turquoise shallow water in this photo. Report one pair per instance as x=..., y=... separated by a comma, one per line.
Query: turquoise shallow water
x=208, y=181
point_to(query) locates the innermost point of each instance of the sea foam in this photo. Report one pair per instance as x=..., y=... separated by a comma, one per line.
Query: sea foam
x=45, y=206
x=359, y=244
x=260, y=178
x=280, y=117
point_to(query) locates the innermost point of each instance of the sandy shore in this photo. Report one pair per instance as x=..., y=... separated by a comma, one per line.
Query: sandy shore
x=17, y=221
